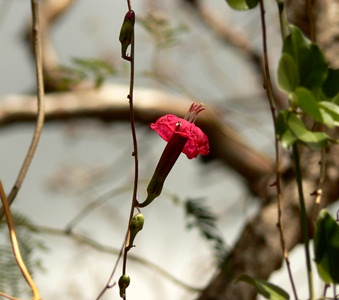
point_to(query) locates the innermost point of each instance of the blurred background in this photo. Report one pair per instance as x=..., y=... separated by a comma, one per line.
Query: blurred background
x=87, y=163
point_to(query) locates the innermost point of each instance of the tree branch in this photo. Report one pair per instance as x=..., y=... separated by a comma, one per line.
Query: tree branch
x=109, y=104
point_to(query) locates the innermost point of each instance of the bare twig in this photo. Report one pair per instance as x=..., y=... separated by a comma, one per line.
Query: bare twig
x=15, y=245
x=41, y=106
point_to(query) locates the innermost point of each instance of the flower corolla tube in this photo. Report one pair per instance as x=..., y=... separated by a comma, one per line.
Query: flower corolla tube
x=181, y=135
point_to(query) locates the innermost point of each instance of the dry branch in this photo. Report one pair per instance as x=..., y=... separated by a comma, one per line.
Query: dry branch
x=109, y=104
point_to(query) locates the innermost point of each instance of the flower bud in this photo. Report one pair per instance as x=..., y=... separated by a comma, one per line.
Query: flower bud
x=123, y=282
x=165, y=164
x=135, y=226
x=127, y=33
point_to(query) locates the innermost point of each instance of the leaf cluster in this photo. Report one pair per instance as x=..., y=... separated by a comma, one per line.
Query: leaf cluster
x=313, y=90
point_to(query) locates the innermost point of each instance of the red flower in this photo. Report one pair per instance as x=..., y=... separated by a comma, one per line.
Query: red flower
x=182, y=135
x=197, y=142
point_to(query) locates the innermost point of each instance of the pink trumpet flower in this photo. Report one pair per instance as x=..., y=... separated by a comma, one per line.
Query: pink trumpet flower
x=182, y=135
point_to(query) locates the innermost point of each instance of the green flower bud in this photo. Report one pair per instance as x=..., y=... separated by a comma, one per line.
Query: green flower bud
x=123, y=282
x=135, y=226
x=127, y=33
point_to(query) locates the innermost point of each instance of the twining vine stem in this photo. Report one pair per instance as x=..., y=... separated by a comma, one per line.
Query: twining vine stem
x=135, y=146
x=277, y=183
x=124, y=248
x=36, y=38
x=15, y=246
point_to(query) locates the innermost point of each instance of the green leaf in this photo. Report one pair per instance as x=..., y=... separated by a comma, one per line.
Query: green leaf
x=310, y=62
x=305, y=100
x=335, y=99
x=290, y=129
x=288, y=139
x=264, y=288
x=287, y=73
x=242, y=4
x=295, y=43
x=313, y=140
x=284, y=134
x=331, y=84
x=331, y=109
x=313, y=68
x=326, y=247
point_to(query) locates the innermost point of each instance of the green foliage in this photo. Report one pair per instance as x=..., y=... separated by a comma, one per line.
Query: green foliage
x=313, y=90
x=82, y=69
x=201, y=217
x=264, y=288
x=302, y=63
x=242, y=4
x=326, y=247
x=11, y=280
x=290, y=129
x=288, y=78
x=331, y=84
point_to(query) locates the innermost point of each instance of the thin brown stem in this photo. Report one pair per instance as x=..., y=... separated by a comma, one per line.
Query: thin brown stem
x=36, y=33
x=129, y=6
x=15, y=245
x=135, y=148
x=108, y=284
x=270, y=96
x=130, y=97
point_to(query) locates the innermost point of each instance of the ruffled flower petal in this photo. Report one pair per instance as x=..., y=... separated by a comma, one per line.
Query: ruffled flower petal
x=197, y=142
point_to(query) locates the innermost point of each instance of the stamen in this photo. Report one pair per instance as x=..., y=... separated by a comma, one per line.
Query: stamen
x=193, y=112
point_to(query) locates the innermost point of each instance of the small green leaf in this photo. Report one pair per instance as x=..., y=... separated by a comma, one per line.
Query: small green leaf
x=288, y=139
x=287, y=73
x=282, y=122
x=326, y=247
x=305, y=100
x=332, y=109
x=264, y=288
x=312, y=68
x=295, y=43
x=313, y=140
x=242, y=4
x=290, y=129
x=284, y=134
x=331, y=84
x=311, y=65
